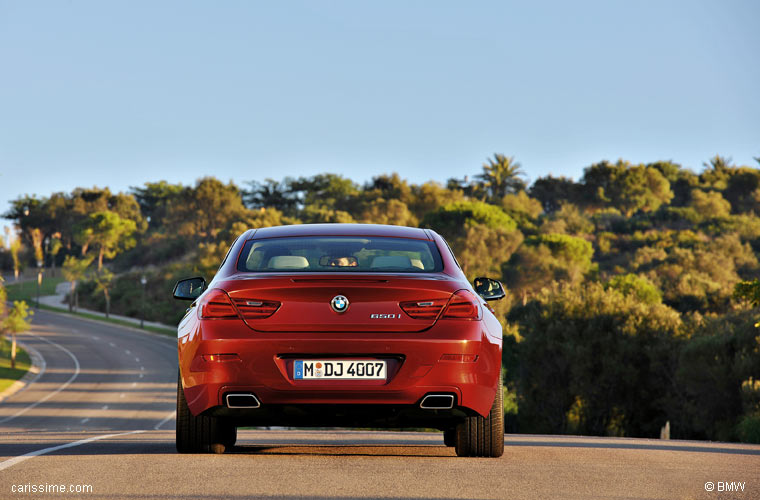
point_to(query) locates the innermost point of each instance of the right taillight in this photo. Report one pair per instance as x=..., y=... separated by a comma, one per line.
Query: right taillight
x=423, y=309
x=216, y=304
x=463, y=305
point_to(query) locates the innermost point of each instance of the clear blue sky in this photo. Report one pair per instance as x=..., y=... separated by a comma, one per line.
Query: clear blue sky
x=120, y=93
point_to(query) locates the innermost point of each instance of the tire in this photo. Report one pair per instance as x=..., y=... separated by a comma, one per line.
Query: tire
x=200, y=434
x=450, y=437
x=230, y=436
x=483, y=436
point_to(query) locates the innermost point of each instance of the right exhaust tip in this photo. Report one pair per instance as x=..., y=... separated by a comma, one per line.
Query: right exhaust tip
x=437, y=402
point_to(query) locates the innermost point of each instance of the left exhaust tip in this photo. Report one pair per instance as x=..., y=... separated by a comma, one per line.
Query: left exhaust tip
x=242, y=400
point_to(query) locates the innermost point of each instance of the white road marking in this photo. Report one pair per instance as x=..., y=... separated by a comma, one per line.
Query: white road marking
x=60, y=388
x=84, y=420
x=141, y=376
x=112, y=344
x=168, y=417
x=96, y=337
x=137, y=359
x=105, y=407
x=15, y=460
x=128, y=351
x=142, y=368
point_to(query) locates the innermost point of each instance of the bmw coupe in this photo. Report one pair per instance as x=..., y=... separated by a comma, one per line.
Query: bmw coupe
x=349, y=325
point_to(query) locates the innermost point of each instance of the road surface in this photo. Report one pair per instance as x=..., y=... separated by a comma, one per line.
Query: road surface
x=99, y=423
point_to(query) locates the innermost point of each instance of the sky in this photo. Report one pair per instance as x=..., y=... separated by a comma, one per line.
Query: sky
x=118, y=94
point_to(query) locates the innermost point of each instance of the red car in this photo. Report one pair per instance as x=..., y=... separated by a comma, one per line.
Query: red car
x=347, y=325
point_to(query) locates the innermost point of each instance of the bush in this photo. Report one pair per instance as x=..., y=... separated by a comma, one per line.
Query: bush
x=595, y=361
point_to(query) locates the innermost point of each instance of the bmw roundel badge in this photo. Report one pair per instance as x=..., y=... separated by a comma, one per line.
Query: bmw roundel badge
x=339, y=304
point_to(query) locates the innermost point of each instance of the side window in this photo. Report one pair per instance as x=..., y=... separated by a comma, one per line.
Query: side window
x=451, y=252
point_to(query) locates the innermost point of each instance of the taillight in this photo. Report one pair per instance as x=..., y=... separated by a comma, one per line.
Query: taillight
x=423, y=309
x=216, y=304
x=463, y=305
x=255, y=308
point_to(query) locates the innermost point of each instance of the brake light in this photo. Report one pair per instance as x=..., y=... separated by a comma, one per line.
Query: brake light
x=423, y=309
x=255, y=308
x=216, y=304
x=463, y=305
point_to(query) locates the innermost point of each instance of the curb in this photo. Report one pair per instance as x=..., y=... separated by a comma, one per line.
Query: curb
x=35, y=372
x=65, y=312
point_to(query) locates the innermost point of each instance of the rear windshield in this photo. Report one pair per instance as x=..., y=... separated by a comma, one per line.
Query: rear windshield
x=340, y=254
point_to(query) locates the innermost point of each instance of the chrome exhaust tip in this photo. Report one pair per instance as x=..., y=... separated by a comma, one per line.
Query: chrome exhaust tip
x=437, y=402
x=241, y=400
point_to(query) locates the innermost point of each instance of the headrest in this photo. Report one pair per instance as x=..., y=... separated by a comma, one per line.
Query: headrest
x=394, y=261
x=288, y=262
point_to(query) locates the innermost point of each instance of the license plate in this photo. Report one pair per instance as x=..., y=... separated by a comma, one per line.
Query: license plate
x=339, y=369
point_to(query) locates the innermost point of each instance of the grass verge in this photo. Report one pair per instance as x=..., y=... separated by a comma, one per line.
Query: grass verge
x=23, y=363
x=27, y=290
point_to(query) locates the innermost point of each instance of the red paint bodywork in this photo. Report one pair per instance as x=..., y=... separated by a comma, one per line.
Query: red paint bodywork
x=261, y=352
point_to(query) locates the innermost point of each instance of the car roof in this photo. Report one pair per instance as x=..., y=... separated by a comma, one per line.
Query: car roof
x=341, y=230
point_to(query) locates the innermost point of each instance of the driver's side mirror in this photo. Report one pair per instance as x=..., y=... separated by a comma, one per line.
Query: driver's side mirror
x=489, y=289
x=189, y=289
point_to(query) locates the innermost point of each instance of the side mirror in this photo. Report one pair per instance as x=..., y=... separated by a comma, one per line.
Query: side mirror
x=189, y=289
x=489, y=289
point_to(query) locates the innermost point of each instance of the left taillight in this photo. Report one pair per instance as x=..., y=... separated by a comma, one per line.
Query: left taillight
x=255, y=308
x=216, y=304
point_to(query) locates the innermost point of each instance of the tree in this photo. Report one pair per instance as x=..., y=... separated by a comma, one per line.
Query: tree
x=627, y=187
x=554, y=192
x=271, y=194
x=15, y=322
x=638, y=286
x=15, y=248
x=716, y=173
x=156, y=199
x=501, y=176
x=545, y=258
x=710, y=204
x=326, y=193
x=431, y=196
x=12, y=320
x=108, y=231
x=103, y=280
x=205, y=210
x=482, y=236
x=74, y=270
x=55, y=247
x=381, y=211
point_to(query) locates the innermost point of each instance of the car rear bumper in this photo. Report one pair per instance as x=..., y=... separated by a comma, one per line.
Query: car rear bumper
x=261, y=363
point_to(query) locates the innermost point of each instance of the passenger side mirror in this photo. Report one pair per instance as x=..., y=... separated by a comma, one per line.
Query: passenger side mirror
x=489, y=289
x=189, y=289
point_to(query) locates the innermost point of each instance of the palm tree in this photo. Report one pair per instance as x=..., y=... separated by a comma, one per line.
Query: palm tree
x=501, y=176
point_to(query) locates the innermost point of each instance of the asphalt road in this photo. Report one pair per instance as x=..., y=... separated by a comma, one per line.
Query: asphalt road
x=99, y=422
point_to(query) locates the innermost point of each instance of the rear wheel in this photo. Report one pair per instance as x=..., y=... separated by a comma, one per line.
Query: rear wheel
x=201, y=434
x=482, y=436
x=450, y=437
